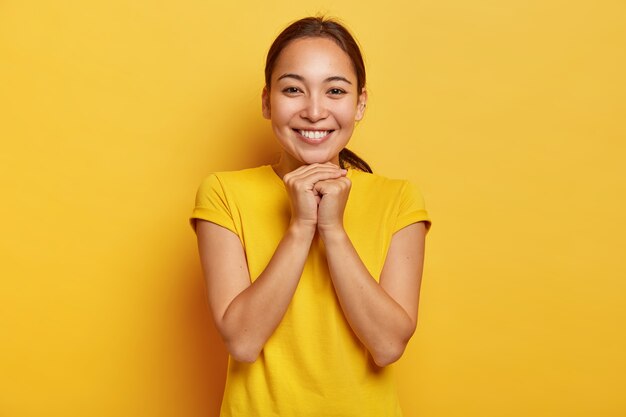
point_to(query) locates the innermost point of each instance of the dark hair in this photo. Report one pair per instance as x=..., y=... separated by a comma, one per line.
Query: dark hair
x=322, y=27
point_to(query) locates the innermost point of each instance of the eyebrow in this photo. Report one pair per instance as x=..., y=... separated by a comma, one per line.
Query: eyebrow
x=301, y=78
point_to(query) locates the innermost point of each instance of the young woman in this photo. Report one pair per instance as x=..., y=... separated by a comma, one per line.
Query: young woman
x=313, y=265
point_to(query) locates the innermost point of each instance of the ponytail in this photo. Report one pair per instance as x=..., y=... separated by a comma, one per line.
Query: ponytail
x=347, y=158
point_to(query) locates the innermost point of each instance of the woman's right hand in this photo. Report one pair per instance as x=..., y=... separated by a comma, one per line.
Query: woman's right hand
x=304, y=199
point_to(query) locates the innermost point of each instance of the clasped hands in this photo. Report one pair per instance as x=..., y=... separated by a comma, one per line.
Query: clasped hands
x=318, y=194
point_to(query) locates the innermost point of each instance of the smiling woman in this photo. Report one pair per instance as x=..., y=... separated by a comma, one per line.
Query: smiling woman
x=312, y=300
x=331, y=30
x=313, y=102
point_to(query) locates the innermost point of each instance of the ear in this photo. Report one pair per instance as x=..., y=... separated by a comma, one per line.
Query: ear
x=360, y=105
x=265, y=103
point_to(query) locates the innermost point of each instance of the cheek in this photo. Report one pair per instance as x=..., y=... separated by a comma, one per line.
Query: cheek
x=283, y=110
x=347, y=113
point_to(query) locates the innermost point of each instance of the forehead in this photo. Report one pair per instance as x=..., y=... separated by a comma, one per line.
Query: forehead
x=314, y=58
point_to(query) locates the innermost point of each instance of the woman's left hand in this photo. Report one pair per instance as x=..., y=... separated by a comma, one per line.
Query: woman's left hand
x=334, y=196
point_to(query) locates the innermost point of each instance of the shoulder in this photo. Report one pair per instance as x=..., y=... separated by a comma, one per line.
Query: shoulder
x=403, y=196
x=249, y=177
x=247, y=174
x=380, y=183
x=221, y=194
x=225, y=185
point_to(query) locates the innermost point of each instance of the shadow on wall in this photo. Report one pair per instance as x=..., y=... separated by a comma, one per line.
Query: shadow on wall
x=203, y=353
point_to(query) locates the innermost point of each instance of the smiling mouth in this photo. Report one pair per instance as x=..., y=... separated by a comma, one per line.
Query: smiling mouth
x=314, y=136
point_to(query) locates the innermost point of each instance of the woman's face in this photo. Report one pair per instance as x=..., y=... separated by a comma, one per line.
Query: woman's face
x=313, y=102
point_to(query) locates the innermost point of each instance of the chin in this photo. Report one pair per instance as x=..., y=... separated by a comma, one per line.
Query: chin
x=309, y=161
x=318, y=158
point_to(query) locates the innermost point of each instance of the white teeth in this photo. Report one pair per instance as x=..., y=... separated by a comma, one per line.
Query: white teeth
x=313, y=134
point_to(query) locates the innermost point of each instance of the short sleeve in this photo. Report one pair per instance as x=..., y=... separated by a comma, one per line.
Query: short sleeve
x=411, y=209
x=212, y=204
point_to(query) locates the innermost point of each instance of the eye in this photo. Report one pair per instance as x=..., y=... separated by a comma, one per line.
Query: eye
x=291, y=90
x=336, y=92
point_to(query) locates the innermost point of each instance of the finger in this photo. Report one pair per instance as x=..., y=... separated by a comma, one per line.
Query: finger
x=315, y=166
x=312, y=176
x=341, y=181
x=316, y=176
x=312, y=167
x=333, y=186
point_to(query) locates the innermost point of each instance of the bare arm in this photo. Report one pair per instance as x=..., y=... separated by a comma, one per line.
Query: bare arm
x=246, y=314
x=382, y=314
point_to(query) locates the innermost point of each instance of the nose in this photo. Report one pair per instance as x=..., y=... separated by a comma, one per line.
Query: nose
x=314, y=109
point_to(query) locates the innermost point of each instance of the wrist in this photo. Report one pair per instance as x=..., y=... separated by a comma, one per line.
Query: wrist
x=301, y=231
x=332, y=233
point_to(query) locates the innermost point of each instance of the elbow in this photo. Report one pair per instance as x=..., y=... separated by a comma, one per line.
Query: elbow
x=243, y=356
x=387, y=356
x=242, y=351
x=392, y=350
x=239, y=342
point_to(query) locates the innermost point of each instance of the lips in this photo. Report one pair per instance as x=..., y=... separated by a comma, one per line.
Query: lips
x=313, y=137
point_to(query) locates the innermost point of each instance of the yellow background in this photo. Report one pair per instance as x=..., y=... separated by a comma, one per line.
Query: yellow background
x=510, y=115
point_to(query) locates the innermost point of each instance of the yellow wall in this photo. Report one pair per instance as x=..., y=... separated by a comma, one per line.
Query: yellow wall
x=510, y=116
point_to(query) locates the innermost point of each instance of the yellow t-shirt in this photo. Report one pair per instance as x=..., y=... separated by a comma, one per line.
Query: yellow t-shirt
x=313, y=365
